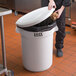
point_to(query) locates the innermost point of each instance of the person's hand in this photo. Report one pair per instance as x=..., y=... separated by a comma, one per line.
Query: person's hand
x=51, y=4
x=59, y=11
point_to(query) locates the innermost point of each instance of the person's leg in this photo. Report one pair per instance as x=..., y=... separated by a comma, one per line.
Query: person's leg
x=60, y=34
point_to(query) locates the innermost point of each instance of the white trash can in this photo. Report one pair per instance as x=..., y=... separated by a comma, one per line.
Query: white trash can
x=37, y=45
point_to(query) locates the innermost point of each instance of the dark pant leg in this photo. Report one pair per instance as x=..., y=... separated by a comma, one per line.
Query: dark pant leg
x=60, y=34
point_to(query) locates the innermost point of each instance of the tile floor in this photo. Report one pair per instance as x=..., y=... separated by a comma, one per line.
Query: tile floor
x=65, y=66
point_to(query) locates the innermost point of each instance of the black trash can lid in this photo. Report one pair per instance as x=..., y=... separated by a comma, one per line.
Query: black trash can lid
x=34, y=17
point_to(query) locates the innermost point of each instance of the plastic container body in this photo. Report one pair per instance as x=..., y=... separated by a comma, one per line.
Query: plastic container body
x=37, y=49
x=36, y=32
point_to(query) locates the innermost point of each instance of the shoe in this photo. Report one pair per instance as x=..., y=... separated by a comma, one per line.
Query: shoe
x=59, y=53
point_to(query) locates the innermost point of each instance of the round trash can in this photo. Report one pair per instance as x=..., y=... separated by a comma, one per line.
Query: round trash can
x=37, y=43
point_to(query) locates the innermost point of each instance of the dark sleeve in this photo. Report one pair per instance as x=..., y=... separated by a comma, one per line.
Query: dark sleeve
x=66, y=3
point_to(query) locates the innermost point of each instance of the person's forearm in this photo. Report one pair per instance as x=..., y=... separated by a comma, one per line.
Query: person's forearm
x=62, y=7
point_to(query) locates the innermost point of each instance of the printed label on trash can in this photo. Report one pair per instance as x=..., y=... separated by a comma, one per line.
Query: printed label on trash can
x=38, y=34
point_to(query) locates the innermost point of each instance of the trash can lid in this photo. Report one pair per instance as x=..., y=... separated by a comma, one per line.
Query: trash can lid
x=34, y=17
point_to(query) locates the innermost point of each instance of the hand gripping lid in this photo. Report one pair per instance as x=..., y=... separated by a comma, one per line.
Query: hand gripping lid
x=34, y=17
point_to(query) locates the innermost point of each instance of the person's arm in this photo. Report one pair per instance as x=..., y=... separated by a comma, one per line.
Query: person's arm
x=65, y=3
x=59, y=11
